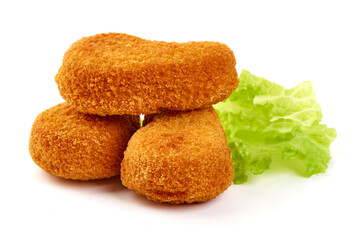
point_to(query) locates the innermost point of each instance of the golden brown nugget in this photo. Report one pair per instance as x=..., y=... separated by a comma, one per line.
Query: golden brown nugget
x=80, y=146
x=179, y=157
x=116, y=73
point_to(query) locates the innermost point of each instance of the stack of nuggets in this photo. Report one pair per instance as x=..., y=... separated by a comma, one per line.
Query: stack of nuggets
x=179, y=155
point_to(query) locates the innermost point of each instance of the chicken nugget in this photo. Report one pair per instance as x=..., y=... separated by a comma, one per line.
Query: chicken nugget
x=80, y=146
x=179, y=157
x=116, y=73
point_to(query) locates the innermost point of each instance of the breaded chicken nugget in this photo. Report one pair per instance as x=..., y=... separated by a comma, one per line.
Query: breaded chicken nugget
x=80, y=146
x=179, y=157
x=116, y=73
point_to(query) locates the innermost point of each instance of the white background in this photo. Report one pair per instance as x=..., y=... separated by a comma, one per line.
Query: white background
x=281, y=41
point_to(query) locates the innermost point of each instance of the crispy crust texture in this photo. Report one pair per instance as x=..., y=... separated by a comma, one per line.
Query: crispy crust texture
x=179, y=157
x=80, y=146
x=116, y=73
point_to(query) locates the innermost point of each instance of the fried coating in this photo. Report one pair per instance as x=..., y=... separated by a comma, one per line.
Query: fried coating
x=116, y=73
x=80, y=146
x=179, y=157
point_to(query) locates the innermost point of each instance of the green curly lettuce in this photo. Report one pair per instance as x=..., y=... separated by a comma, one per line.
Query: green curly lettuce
x=266, y=122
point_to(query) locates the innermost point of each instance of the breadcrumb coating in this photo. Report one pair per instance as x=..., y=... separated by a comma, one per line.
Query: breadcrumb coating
x=80, y=146
x=179, y=157
x=116, y=73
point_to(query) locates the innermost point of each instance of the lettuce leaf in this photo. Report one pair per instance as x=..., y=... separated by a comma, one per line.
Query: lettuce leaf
x=266, y=122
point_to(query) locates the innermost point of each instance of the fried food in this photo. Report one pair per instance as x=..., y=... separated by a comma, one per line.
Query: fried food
x=179, y=157
x=80, y=146
x=116, y=73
